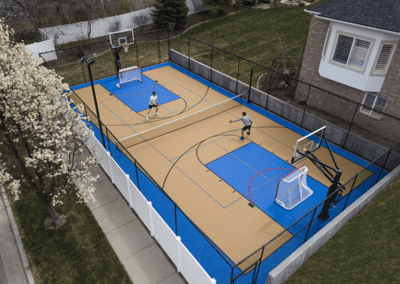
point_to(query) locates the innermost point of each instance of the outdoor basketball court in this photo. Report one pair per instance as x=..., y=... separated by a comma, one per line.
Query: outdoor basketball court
x=225, y=185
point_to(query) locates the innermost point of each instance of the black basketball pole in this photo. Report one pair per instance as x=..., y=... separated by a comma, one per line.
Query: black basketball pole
x=82, y=57
x=117, y=59
x=95, y=102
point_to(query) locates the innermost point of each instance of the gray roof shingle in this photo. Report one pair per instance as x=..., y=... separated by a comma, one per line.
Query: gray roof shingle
x=381, y=14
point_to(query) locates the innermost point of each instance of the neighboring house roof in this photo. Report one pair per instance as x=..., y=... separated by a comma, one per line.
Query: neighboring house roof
x=380, y=14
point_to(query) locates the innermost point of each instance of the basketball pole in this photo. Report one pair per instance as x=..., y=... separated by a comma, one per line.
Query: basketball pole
x=117, y=59
x=82, y=57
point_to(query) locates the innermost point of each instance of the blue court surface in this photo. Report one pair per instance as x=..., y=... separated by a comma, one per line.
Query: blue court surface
x=237, y=168
x=136, y=95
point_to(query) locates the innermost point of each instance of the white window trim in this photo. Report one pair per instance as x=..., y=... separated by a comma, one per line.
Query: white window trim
x=389, y=60
x=370, y=112
x=351, y=50
x=327, y=38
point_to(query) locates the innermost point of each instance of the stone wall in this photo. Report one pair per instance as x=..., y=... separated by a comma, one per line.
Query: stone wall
x=335, y=134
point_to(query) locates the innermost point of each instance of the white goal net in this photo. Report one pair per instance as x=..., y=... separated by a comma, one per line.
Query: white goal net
x=292, y=189
x=128, y=75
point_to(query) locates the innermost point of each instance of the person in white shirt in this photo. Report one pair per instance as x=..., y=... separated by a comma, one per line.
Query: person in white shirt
x=247, y=124
x=153, y=103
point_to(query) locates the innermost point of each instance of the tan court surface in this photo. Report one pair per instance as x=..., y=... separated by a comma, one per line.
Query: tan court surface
x=217, y=209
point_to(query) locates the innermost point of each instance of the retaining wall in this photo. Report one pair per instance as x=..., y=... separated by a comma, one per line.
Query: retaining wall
x=290, y=265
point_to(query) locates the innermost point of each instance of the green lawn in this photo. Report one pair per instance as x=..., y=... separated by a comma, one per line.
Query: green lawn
x=77, y=252
x=366, y=250
x=251, y=34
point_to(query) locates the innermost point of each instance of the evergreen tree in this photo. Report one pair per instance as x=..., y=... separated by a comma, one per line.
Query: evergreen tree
x=170, y=11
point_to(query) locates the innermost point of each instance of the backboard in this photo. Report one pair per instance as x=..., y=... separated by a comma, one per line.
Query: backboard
x=119, y=37
x=308, y=143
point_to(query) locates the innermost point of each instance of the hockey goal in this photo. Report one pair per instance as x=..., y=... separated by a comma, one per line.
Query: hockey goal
x=292, y=189
x=128, y=75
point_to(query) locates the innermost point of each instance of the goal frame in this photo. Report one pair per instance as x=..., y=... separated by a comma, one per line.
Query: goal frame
x=125, y=70
x=300, y=184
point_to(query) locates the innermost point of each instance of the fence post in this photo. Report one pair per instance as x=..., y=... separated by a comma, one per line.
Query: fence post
x=108, y=140
x=137, y=176
x=189, y=51
x=351, y=124
x=309, y=226
x=237, y=78
x=257, y=268
x=169, y=50
x=111, y=167
x=212, y=50
x=269, y=88
x=176, y=222
x=179, y=264
x=129, y=190
x=305, y=106
x=137, y=52
x=351, y=190
x=151, y=229
x=159, y=50
x=384, y=164
x=251, y=79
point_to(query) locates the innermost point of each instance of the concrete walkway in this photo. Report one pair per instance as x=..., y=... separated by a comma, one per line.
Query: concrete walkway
x=142, y=257
x=14, y=265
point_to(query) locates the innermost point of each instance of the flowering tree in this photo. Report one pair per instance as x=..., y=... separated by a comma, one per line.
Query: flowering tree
x=41, y=137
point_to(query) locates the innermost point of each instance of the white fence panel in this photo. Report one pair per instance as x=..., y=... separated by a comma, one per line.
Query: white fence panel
x=103, y=156
x=93, y=29
x=119, y=179
x=166, y=237
x=192, y=270
x=92, y=143
x=43, y=46
x=141, y=207
x=172, y=245
x=101, y=27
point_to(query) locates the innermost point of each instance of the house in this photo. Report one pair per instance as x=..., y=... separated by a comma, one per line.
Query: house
x=352, y=51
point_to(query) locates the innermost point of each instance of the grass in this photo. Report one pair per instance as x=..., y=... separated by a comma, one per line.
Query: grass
x=252, y=34
x=366, y=250
x=77, y=252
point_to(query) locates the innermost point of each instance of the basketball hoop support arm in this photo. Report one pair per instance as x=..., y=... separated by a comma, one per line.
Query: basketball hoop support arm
x=333, y=178
x=117, y=60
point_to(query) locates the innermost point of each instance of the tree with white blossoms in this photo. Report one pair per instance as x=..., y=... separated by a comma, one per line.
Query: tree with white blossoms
x=41, y=137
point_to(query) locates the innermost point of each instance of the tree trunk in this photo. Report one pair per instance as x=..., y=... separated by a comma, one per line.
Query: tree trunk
x=56, y=219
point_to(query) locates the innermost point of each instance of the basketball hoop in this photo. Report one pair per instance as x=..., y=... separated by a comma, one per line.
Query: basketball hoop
x=125, y=46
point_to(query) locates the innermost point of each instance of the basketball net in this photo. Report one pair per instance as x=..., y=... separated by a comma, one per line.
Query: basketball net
x=125, y=46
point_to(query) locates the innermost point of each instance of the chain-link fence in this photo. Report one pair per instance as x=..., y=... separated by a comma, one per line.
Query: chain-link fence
x=350, y=126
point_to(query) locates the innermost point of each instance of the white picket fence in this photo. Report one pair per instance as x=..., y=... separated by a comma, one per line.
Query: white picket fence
x=101, y=27
x=43, y=46
x=172, y=245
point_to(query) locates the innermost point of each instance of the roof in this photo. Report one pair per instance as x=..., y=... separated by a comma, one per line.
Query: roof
x=380, y=14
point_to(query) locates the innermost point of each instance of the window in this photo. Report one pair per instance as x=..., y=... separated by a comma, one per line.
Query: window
x=328, y=35
x=351, y=51
x=384, y=57
x=372, y=104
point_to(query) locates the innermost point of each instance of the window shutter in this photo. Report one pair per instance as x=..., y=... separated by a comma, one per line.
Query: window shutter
x=368, y=102
x=343, y=48
x=383, y=59
x=359, y=53
x=380, y=106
